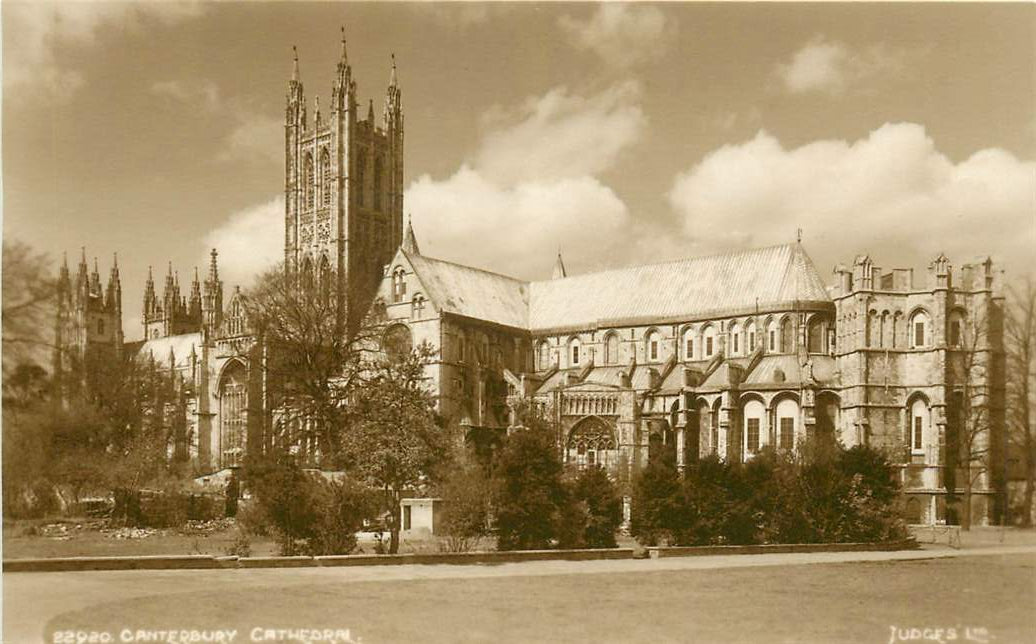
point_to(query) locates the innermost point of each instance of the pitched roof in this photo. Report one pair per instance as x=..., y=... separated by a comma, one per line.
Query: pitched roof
x=685, y=289
x=181, y=346
x=473, y=292
x=688, y=289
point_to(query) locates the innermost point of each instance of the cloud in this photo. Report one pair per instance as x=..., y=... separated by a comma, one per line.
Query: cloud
x=532, y=185
x=622, y=35
x=892, y=194
x=249, y=242
x=833, y=68
x=251, y=135
x=41, y=39
x=559, y=135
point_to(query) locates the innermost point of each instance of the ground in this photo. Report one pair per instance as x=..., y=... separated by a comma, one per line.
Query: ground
x=823, y=597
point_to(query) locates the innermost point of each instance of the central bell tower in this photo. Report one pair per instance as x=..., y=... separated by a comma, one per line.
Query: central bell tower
x=343, y=188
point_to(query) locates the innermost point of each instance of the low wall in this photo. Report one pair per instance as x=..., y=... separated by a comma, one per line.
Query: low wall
x=657, y=552
x=55, y=564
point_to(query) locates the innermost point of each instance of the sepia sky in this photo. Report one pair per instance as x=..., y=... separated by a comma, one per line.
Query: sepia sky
x=618, y=133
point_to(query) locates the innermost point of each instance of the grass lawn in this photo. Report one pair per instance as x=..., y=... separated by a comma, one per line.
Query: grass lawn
x=851, y=602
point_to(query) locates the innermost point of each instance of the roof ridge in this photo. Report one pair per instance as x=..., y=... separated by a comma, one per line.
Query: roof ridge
x=682, y=260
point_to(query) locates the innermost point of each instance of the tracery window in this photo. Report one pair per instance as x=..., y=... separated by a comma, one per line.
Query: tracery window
x=233, y=415
x=417, y=306
x=592, y=442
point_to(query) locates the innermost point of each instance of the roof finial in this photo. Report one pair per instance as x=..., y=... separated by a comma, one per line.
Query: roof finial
x=392, y=78
x=295, y=66
x=345, y=58
x=798, y=235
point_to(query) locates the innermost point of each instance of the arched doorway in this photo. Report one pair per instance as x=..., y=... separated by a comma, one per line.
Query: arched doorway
x=592, y=442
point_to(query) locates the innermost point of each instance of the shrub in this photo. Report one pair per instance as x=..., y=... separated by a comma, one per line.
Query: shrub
x=342, y=506
x=251, y=517
x=530, y=495
x=598, y=505
x=706, y=503
x=657, y=513
x=466, y=494
x=290, y=499
x=242, y=544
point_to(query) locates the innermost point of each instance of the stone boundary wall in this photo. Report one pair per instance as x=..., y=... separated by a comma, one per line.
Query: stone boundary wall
x=778, y=548
x=65, y=564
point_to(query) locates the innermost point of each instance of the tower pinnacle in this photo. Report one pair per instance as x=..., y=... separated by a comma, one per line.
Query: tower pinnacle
x=295, y=65
x=559, y=268
x=392, y=76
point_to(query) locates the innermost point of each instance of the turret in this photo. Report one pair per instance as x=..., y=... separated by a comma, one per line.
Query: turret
x=194, y=303
x=410, y=240
x=343, y=80
x=113, y=294
x=393, y=115
x=212, y=300
x=95, y=281
x=295, y=111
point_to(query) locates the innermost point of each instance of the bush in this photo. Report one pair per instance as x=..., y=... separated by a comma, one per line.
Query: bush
x=342, y=506
x=597, y=507
x=251, y=517
x=466, y=495
x=530, y=496
x=657, y=507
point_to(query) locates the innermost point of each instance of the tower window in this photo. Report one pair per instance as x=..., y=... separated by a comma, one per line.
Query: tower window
x=307, y=181
x=361, y=168
x=325, y=177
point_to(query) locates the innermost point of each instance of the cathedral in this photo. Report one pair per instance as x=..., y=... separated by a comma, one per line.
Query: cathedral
x=724, y=354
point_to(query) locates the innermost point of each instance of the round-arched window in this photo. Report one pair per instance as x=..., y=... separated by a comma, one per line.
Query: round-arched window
x=397, y=341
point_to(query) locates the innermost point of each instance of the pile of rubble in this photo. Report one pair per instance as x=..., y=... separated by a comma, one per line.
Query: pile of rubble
x=206, y=527
x=129, y=533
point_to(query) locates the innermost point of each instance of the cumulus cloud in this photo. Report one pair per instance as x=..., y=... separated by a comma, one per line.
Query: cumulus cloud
x=41, y=34
x=833, y=68
x=621, y=34
x=249, y=241
x=532, y=186
x=892, y=194
x=251, y=135
x=561, y=135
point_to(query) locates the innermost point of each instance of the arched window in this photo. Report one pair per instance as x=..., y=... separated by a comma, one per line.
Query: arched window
x=325, y=279
x=688, y=344
x=771, y=337
x=325, y=177
x=611, y=348
x=398, y=284
x=574, y=357
x=955, y=333
x=654, y=346
x=592, y=442
x=307, y=181
x=544, y=355
x=417, y=307
x=233, y=414
x=919, y=423
x=787, y=336
x=750, y=337
x=708, y=341
x=786, y=413
x=377, y=183
x=306, y=275
x=753, y=414
x=816, y=334
x=918, y=329
x=360, y=185
x=397, y=341
x=735, y=339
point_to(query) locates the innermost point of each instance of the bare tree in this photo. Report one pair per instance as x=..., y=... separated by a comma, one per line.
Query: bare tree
x=311, y=365
x=971, y=413
x=1020, y=340
x=28, y=304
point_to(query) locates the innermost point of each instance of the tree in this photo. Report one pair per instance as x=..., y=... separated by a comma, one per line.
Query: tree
x=1020, y=341
x=466, y=492
x=312, y=366
x=530, y=494
x=28, y=305
x=657, y=503
x=969, y=440
x=599, y=502
x=395, y=440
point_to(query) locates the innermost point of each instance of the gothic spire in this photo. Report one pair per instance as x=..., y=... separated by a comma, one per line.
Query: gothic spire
x=370, y=111
x=410, y=240
x=559, y=268
x=392, y=76
x=295, y=65
x=343, y=61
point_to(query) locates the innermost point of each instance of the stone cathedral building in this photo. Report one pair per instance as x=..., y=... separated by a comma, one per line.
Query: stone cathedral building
x=725, y=354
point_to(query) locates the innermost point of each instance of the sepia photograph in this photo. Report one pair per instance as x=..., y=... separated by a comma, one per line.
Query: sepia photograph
x=518, y=322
